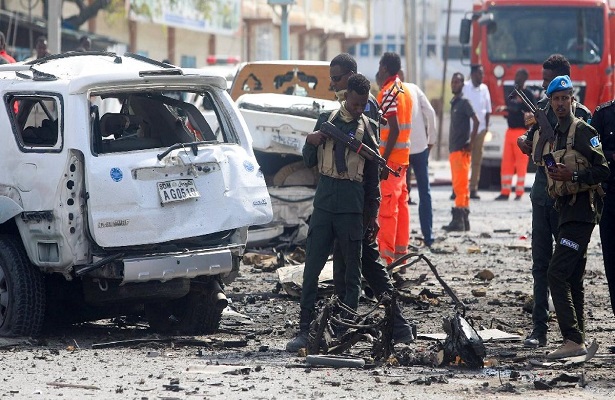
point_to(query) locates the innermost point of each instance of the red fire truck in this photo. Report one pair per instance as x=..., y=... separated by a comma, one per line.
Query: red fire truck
x=510, y=34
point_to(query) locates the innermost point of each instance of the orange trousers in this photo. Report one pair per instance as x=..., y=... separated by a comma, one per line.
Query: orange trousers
x=460, y=168
x=394, y=215
x=513, y=160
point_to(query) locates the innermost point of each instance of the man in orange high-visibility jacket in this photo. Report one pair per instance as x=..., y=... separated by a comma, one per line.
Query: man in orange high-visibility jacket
x=513, y=158
x=394, y=217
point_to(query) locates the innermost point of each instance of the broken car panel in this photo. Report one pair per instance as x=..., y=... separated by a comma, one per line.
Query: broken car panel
x=131, y=195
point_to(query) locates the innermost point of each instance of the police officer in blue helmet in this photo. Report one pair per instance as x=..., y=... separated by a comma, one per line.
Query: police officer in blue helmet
x=574, y=181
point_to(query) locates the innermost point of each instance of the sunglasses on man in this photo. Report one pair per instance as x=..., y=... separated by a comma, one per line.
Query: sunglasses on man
x=337, y=78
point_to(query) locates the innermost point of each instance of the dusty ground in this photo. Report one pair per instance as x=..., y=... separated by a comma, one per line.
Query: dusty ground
x=65, y=364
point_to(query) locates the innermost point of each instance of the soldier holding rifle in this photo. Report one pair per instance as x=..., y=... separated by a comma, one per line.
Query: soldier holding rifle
x=348, y=187
x=544, y=216
x=373, y=269
x=574, y=181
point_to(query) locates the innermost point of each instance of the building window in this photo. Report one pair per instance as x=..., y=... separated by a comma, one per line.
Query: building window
x=454, y=52
x=188, y=62
x=402, y=50
x=377, y=49
x=364, y=50
x=352, y=50
x=391, y=47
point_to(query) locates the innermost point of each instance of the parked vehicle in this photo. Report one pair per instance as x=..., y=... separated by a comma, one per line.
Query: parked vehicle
x=118, y=197
x=510, y=34
x=280, y=102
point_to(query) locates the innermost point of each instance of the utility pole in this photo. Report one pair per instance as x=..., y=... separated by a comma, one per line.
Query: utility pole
x=411, y=40
x=423, y=57
x=54, y=33
x=284, y=28
x=448, y=25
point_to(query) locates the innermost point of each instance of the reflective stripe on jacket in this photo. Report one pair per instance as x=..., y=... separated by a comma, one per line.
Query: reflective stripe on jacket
x=401, y=150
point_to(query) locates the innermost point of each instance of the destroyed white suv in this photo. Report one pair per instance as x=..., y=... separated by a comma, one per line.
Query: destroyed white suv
x=117, y=197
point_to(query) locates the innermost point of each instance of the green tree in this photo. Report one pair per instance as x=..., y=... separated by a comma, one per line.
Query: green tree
x=87, y=10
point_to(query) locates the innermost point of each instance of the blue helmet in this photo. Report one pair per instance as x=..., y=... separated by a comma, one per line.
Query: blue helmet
x=558, y=84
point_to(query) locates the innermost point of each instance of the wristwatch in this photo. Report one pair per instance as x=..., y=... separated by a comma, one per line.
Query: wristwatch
x=575, y=176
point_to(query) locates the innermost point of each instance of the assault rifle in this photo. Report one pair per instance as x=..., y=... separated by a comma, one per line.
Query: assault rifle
x=353, y=144
x=546, y=130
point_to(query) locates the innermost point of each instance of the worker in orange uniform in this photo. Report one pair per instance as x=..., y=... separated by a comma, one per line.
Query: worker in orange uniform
x=393, y=216
x=513, y=158
x=460, y=141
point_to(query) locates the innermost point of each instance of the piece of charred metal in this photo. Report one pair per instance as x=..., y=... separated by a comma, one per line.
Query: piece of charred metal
x=462, y=344
x=337, y=328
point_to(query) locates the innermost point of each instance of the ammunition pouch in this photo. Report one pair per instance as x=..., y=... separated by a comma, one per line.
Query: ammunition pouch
x=576, y=162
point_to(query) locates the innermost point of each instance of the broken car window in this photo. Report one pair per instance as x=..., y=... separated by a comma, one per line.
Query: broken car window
x=130, y=121
x=36, y=121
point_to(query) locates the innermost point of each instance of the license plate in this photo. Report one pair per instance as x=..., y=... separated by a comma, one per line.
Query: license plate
x=177, y=190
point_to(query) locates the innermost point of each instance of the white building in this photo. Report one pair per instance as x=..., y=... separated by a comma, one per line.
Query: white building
x=389, y=29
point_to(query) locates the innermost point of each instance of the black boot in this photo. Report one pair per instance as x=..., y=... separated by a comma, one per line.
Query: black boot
x=457, y=223
x=402, y=330
x=466, y=220
x=301, y=340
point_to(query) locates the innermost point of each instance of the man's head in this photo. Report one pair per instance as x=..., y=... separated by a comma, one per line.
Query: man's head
x=390, y=64
x=342, y=67
x=477, y=74
x=555, y=65
x=457, y=83
x=2, y=41
x=357, y=94
x=521, y=76
x=559, y=92
x=41, y=47
x=85, y=43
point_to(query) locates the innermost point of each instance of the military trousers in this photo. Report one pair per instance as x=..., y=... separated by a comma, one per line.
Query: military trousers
x=544, y=231
x=325, y=228
x=565, y=274
x=372, y=268
x=607, y=238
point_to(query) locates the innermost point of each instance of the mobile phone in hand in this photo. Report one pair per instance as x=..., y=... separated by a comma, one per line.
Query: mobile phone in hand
x=549, y=160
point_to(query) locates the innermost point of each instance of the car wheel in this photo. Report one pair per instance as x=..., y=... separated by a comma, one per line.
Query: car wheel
x=197, y=313
x=22, y=291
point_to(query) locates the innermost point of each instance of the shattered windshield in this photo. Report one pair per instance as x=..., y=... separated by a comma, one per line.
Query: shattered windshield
x=531, y=34
x=129, y=121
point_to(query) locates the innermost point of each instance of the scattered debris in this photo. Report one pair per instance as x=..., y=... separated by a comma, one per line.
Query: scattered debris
x=542, y=385
x=210, y=343
x=485, y=275
x=335, y=361
x=519, y=246
x=72, y=385
x=337, y=328
x=291, y=278
x=462, y=344
x=230, y=313
x=219, y=369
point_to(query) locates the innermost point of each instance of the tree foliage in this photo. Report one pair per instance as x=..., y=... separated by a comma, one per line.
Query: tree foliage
x=87, y=10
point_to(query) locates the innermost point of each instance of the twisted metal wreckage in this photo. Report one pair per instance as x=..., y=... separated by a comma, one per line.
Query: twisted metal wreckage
x=337, y=328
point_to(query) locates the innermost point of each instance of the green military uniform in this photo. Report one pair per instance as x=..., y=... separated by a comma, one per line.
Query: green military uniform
x=577, y=217
x=339, y=205
x=544, y=227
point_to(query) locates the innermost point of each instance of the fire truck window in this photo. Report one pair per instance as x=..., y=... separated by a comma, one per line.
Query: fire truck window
x=531, y=34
